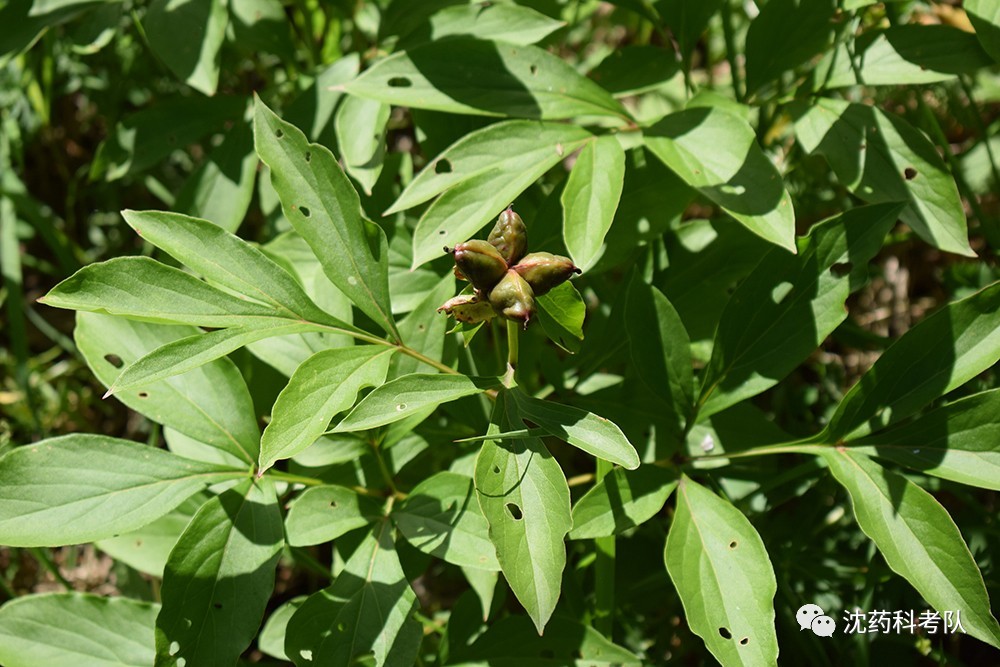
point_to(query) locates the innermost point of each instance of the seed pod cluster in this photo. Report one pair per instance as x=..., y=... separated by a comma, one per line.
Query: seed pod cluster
x=504, y=278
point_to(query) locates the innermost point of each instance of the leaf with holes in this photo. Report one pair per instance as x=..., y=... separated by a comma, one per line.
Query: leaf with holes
x=410, y=394
x=716, y=152
x=525, y=499
x=323, y=385
x=623, y=499
x=956, y=441
x=495, y=79
x=591, y=197
x=367, y=610
x=441, y=516
x=882, y=158
x=760, y=340
x=593, y=434
x=63, y=629
x=219, y=578
x=210, y=404
x=721, y=570
x=105, y=486
x=325, y=210
x=324, y=513
x=942, y=352
x=917, y=538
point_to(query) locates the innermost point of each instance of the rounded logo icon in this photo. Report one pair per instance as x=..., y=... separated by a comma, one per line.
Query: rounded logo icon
x=806, y=614
x=824, y=626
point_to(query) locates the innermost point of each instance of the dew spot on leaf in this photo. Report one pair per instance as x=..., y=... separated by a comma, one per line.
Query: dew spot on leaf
x=114, y=360
x=515, y=511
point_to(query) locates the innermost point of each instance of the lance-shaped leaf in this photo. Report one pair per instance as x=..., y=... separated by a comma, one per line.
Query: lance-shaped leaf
x=185, y=354
x=228, y=260
x=323, y=385
x=80, y=488
x=210, y=404
x=593, y=434
x=324, y=513
x=360, y=125
x=409, y=395
x=917, y=538
x=660, y=348
x=786, y=34
x=70, y=629
x=144, y=289
x=716, y=152
x=219, y=578
x=503, y=22
x=325, y=210
x=424, y=328
x=944, y=351
x=591, y=197
x=623, y=499
x=720, y=568
x=366, y=610
x=480, y=175
x=561, y=313
x=882, y=158
x=788, y=305
x=985, y=18
x=196, y=58
x=441, y=516
x=495, y=79
x=525, y=499
x=221, y=188
x=957, y=441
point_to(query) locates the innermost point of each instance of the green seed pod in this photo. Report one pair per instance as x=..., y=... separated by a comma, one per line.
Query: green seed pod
x=513, y=298
x=480, y=263
x=543, y=271
x=510, y=236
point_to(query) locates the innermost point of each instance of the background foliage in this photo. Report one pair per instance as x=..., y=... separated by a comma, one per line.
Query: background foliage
x=787, y=217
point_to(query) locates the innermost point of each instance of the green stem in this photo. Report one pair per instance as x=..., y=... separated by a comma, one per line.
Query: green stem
x=512, y=350
x=293, y=479
x=729, y=35
x=375, y=340
x=43, y=557
x=384, y=469
x=604, y=573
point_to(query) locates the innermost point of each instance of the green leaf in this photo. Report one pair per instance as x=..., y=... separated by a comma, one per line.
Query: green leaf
x=409, y=395
x=261, y=25
x=525, y=499
x=221, y=188
x=480, y=175
x=360, y=125
x=623, y=499
x=593, y=434
x=882, y=158
x=24, y=21
x=210, y=404
x=502, y=22
x=325, y=384
x=720, y=568
x=495, y=79
x=789, y=304
x=324, y=513
x=325, y=210
x=687, y=20
x=561, y=313
x=786, y=34
x=659, y=347
x=985, y=18
x=424, y=328
x=194, y=59
x=142, y=139
x=366, y=610
x=80, y=488
x=144, y=289
x=513, y=641
x=917, y=538
x=185, y=354
x=147, y=548
x=272, y=636
x=441, y=517
x=716, y=152
x=591, y=197
x=72, y=629
x=219, y=578
x=956, y=441
x=903, y=55
x=944, y=351
x=636, y=68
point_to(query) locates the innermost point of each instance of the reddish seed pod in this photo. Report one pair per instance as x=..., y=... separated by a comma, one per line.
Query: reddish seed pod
x=513, y=299
x=480, y=263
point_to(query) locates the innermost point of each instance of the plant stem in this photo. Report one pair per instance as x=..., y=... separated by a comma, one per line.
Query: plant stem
x=42, y=556
x=293, y=479
x=375, y=340
x=729, y=34
x=384, y=469
x=604, y=573
x=512, y=343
